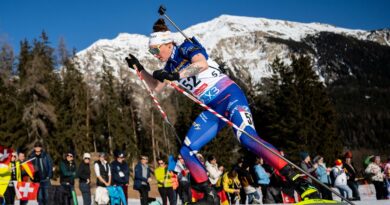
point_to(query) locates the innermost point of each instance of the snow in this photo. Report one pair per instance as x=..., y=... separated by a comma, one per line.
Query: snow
x=228, y=37
x=367, y=193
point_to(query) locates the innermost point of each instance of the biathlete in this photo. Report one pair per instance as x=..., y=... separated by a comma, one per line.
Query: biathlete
x=188, y=64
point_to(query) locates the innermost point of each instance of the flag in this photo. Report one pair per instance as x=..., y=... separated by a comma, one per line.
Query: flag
x=29, y=168
x=26, y=190
x=171, y=163
x=5, y=155
x=5, y=176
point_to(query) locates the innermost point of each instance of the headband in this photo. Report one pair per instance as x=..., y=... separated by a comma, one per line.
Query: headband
x=158, y=38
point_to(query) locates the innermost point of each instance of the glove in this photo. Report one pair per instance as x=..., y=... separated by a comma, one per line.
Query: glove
x=162, y=75
x=131, y=61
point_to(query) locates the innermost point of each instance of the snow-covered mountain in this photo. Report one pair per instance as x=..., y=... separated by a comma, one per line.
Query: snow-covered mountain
x=245, y=43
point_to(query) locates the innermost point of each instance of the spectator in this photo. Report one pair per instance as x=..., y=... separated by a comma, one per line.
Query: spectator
x=307, y=166
x=322, y=173
x=375, y=172
x=120, y=172
x=84, y=175
x=67, y=175
x=24, y=175
x=247, y=183
x=164, y=182
x=103, y=177
x=340, y=179
x=351, y=172
x=184, y=180
x=231, y=185
x=239, y=167
x=142, y=178
x=43, y=166
x=213, y=170
x=262, y=177
x=387, y=183
x=15, y=175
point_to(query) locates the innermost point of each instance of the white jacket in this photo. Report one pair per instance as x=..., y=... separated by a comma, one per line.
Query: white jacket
x=375, y=171
x=101, y=195
x=214, y=172
x=340, y=176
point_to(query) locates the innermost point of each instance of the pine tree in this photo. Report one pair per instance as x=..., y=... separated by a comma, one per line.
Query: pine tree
x=11, y=128
x=36, y=71
x=296, y=112
x=71, y=102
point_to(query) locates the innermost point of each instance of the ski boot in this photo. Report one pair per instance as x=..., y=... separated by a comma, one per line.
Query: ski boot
x=210, y=194
x=304, y=188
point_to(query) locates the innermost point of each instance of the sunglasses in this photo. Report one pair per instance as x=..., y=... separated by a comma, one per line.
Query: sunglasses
x=155, y=51
x=87, y=158
x=70, y=156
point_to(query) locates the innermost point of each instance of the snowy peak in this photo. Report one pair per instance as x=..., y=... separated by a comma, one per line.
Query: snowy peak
x=243, y=43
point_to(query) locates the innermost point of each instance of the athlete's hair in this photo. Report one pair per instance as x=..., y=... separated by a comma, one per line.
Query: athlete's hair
x=160, y=26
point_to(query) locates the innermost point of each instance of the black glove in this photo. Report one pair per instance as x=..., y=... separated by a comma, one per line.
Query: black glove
x=162, y=75
x=132, y=60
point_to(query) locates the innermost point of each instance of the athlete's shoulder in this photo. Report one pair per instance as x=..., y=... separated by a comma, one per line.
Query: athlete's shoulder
x=190, y=48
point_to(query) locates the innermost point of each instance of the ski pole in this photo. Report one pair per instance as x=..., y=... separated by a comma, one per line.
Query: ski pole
x=156, y=102
x=162, y=11
x=230, y=123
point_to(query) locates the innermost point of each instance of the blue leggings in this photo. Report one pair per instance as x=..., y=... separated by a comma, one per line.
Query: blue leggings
x=232, y=104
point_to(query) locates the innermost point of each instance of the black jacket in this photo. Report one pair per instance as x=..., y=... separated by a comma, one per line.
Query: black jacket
x=84, y=172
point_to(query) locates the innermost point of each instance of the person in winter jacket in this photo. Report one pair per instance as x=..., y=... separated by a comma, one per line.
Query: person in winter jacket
x=262, y=176
x=340, y=179
x=322, y=173
x=307, y=165
x=103, y=178
x=164, y=182
x=67, y=176
x=43, y=166
x=84, y=175
x=387, y=178
x=351, y=172
x=213, y=170
x=248, y=185
x=142, y=179
x=231, y=185
x=183, y=177
x=375, y=171
x=120, y=171
x=13, y=173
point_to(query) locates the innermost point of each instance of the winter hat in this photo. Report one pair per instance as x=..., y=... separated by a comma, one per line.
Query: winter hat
x=348, y=154
x=338, y=162
x=87, y=155
x=303, y=155
x=317, y=158
x=119, y=154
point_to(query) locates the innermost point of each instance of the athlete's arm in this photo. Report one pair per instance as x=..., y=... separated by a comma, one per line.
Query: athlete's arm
x=198, y=65
x=153, y=84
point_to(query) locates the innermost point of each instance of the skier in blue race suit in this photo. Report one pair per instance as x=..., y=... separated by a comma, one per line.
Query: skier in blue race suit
x=188, y=64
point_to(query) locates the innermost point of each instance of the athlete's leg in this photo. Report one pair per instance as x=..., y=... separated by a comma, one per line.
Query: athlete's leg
x=202, y=131
x=240, y=115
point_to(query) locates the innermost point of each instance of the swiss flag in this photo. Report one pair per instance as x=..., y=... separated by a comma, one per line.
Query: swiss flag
x=5, y=155
x=26, y=190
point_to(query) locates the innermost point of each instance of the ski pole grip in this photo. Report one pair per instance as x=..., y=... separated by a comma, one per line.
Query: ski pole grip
x=162, y=10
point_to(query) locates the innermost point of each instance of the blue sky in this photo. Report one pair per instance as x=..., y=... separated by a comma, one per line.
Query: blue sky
x=82, y=22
